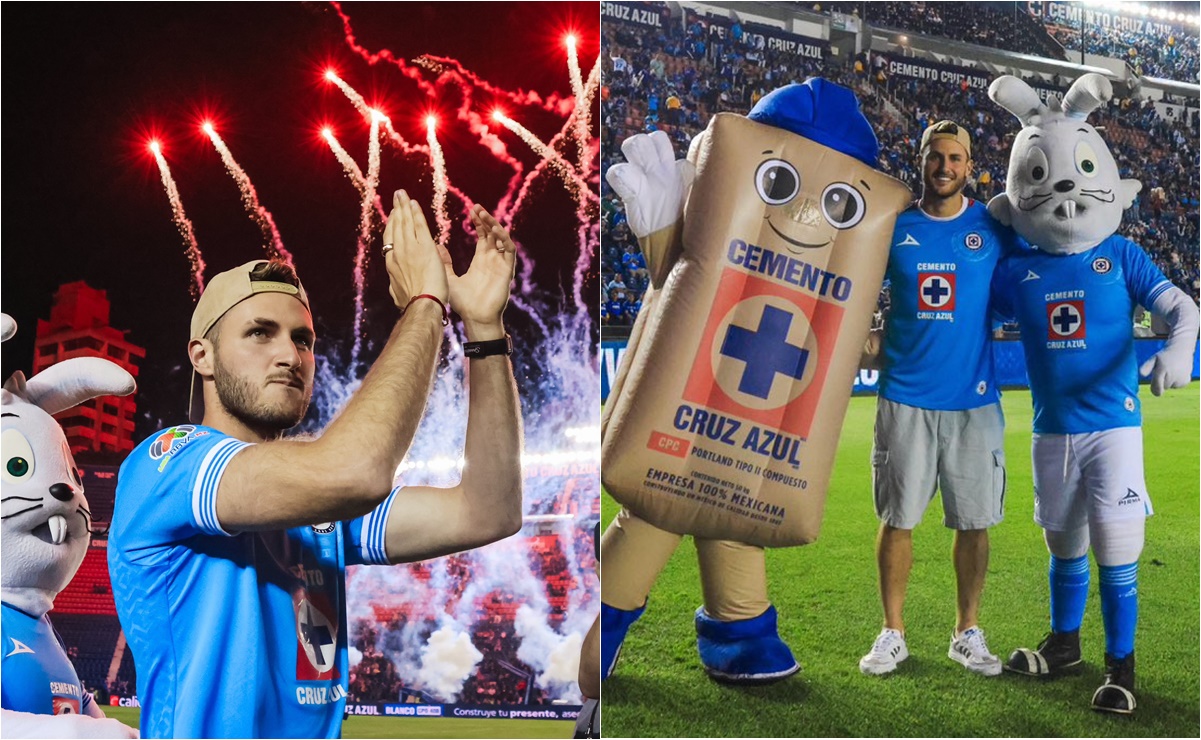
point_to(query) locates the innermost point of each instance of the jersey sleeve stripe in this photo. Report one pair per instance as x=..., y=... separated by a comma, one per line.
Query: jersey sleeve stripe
x=208, y=478
x=1162, y=287
x=375, y=531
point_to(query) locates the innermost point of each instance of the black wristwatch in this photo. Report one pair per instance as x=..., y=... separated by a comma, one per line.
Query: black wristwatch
x=476, y=350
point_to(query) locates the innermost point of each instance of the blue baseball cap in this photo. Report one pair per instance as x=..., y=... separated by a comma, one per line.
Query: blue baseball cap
x=823, y=112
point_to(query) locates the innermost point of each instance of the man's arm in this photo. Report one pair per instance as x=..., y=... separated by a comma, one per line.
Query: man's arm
x=349, y=469
x=485, y=506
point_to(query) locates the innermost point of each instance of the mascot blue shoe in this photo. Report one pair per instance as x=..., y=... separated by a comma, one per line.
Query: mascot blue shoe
x=745, y=651
x=614, y=625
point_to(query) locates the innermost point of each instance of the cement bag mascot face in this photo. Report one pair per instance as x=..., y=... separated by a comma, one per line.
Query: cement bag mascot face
x=725, y=414
x=1073, y=295
x=46, y=531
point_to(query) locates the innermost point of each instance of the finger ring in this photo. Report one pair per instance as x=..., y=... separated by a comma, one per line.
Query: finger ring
x=388, y=248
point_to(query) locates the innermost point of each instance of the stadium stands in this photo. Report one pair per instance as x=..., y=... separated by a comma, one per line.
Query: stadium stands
x=675, y=76
x=91, y=591
x=91, y=640
x=500, y=678
x=998, y=25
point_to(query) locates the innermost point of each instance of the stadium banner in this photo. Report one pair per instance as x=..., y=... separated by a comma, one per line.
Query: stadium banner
x=639, y=14
x=1045, y=90
x=1068, y=14
x=610, y=354
x=922, y=69
x=1008, y=356
x=468, y=711
x=774, y=39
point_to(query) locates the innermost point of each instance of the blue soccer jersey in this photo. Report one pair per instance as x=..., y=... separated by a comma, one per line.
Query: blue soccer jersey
x=937, y=350
x=38, y=676
x=233, y=635
x=1075, y=312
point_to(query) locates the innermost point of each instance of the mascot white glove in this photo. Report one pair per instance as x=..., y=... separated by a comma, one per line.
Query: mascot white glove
x=1172, y=366
x=652, y=184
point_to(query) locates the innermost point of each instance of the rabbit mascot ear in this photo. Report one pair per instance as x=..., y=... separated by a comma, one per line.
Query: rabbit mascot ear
x=44, y=536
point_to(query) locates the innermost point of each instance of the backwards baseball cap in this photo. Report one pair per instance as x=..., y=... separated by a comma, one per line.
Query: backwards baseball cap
x=823, y=112
x=947, y=130
x=222, y=293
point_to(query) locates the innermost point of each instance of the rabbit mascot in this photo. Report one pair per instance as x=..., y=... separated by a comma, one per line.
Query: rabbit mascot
x=725, y=414
x=46, y=530
x=1073, y=295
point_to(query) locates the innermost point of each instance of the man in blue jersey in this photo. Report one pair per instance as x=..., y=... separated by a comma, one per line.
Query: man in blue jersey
x=938, y=418
x=1074, y=295
x=228, y=544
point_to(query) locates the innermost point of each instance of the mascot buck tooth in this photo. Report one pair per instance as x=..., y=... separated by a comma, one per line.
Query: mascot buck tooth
x=725, y=413
x=46, y=530
x=1073, y=296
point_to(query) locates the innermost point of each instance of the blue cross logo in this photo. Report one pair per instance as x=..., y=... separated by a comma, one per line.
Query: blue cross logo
x=1065, y=319
x=765, y=351
x=317, y=635
x=935, y=291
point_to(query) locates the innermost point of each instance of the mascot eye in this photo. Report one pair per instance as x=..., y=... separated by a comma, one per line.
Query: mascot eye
x=1086, y=160
x=1036, y=164
x=842, y=205
x=777, y=182
x=18, y=457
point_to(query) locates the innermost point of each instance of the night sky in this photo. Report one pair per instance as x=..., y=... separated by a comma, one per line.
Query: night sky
x=87, y=86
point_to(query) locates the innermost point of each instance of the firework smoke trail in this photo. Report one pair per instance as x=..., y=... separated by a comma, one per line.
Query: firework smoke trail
x=369, y=113
x=580, y=129
x=250, y=199
x=438, y=162
x=366, y=211
x=583, y=118
x=577, y=187
x=192, y=249
x=352, y=171
x=553, y=102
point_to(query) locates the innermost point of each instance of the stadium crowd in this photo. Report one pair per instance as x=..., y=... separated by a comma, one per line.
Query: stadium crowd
x=676, y=77
x=1170, y=53
x=994, y=24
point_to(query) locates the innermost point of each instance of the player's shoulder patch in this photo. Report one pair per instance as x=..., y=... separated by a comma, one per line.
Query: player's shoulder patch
x=169, y=441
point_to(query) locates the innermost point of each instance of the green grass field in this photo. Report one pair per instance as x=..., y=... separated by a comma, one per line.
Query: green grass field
x=431, y=727
x=829, y=614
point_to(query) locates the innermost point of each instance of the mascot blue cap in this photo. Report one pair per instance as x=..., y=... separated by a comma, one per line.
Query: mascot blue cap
x=823, y=112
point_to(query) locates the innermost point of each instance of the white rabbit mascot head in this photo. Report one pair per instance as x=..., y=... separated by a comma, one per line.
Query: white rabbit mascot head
x=1063, y=194
x=46, y=525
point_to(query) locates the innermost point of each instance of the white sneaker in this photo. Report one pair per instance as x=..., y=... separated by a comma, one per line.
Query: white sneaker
x=971, y=651
x=889, y=649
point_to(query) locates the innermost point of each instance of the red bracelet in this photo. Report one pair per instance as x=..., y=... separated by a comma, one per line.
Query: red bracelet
x=445, y=313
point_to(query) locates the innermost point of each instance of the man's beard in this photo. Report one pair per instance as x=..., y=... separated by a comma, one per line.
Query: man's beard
x=953, y=188
x=238, y=397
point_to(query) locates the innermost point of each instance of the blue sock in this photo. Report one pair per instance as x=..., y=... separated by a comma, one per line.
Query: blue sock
x=1069, y=590
x=1119, y=607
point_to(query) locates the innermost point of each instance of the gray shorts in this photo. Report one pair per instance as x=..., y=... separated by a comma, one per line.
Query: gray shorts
x=919, y=451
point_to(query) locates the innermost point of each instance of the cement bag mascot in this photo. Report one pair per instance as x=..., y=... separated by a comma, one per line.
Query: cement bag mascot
x=1074, y=295
x=725, y=413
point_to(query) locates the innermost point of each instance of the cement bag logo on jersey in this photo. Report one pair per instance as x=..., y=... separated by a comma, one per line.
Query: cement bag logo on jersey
x=170, y=440
x=764, y=353
x=935, y=291
x=1065, y=320
x=316, y=637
